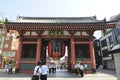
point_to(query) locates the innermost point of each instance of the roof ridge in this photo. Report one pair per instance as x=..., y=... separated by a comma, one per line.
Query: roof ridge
x=22, y=19
x=25, y=17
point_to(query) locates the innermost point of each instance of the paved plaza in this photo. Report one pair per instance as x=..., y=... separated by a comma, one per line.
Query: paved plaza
x=62, y=75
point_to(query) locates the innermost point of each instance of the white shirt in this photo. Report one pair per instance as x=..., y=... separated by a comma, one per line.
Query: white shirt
x=85, y=65
x=44, y=70
x=78, y=65
x=81, y=67
x=53, y=66
x=50, y=66
x=35, y=70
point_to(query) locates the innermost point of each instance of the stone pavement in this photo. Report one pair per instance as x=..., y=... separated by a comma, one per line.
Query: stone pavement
x=62, y=75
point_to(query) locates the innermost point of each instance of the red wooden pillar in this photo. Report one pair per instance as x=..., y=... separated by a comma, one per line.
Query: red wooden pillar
x=92, y=54
x=63, y=49
x=72, y=45
x=19, y=54
x=38, y=52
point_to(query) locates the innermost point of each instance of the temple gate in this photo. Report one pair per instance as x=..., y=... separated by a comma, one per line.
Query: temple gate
x=51, y=38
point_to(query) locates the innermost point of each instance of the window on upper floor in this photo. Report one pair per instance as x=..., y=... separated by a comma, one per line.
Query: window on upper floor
x=116, y=33
x=7, y=38
x=105, y=53
x=5, y=45
x=99, y=53
x=104, y=43
x=110, y=40
x=98, y=44
x=14, y=39
x=2, y=32
x=13, y=47
x=13, y=34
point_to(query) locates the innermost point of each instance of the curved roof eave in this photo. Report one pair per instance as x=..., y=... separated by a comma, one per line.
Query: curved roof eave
x=56, y=20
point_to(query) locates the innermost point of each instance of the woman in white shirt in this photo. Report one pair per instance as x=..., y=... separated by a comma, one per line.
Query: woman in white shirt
x=37, y=71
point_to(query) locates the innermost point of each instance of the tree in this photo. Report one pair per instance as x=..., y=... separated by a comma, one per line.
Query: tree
x=1, y=30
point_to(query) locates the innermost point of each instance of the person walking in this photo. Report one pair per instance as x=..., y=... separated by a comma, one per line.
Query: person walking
x=6, y=66
x=44, y=70
x=81, y=70
x=77, y=68
x=53, y=68
x=50, y=68
x=37, y=72
x=85, y=68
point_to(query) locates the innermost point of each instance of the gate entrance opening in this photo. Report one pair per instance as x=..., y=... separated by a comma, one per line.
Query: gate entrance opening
x=56, y=51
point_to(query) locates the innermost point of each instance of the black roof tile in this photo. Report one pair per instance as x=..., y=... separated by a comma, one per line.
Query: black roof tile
x=22, y=19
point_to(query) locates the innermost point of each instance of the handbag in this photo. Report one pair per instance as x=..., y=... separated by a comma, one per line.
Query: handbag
x=35, y=77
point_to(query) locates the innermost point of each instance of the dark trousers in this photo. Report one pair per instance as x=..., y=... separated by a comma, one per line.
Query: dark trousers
x=50, y=70
x=85, y=71
x=44, y=77
x=82, y=73
x=77, y=71
x=53, y=70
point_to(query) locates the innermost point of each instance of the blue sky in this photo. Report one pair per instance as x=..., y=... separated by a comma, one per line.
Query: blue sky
x=59, y=8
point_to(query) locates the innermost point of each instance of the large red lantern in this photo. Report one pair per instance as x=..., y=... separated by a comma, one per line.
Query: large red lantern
x=56, y=55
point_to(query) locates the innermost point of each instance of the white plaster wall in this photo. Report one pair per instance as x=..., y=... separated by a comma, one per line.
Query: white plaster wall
x=84, y=33
x=65, y=33
x=45, y=33
x=117, y=64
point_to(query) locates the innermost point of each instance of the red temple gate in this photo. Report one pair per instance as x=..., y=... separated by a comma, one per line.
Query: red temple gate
x=42, y=37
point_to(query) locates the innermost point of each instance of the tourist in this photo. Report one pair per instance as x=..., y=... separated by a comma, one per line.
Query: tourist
x=44, y=70
x=85, y=68
x=37, y=71
x=6, y=66
x=81, y=70
x=53, y=68
x=50, y=67
x=77, y=68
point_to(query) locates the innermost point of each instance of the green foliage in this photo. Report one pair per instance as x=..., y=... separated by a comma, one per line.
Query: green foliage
x=2, y=22
x=1, y=37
